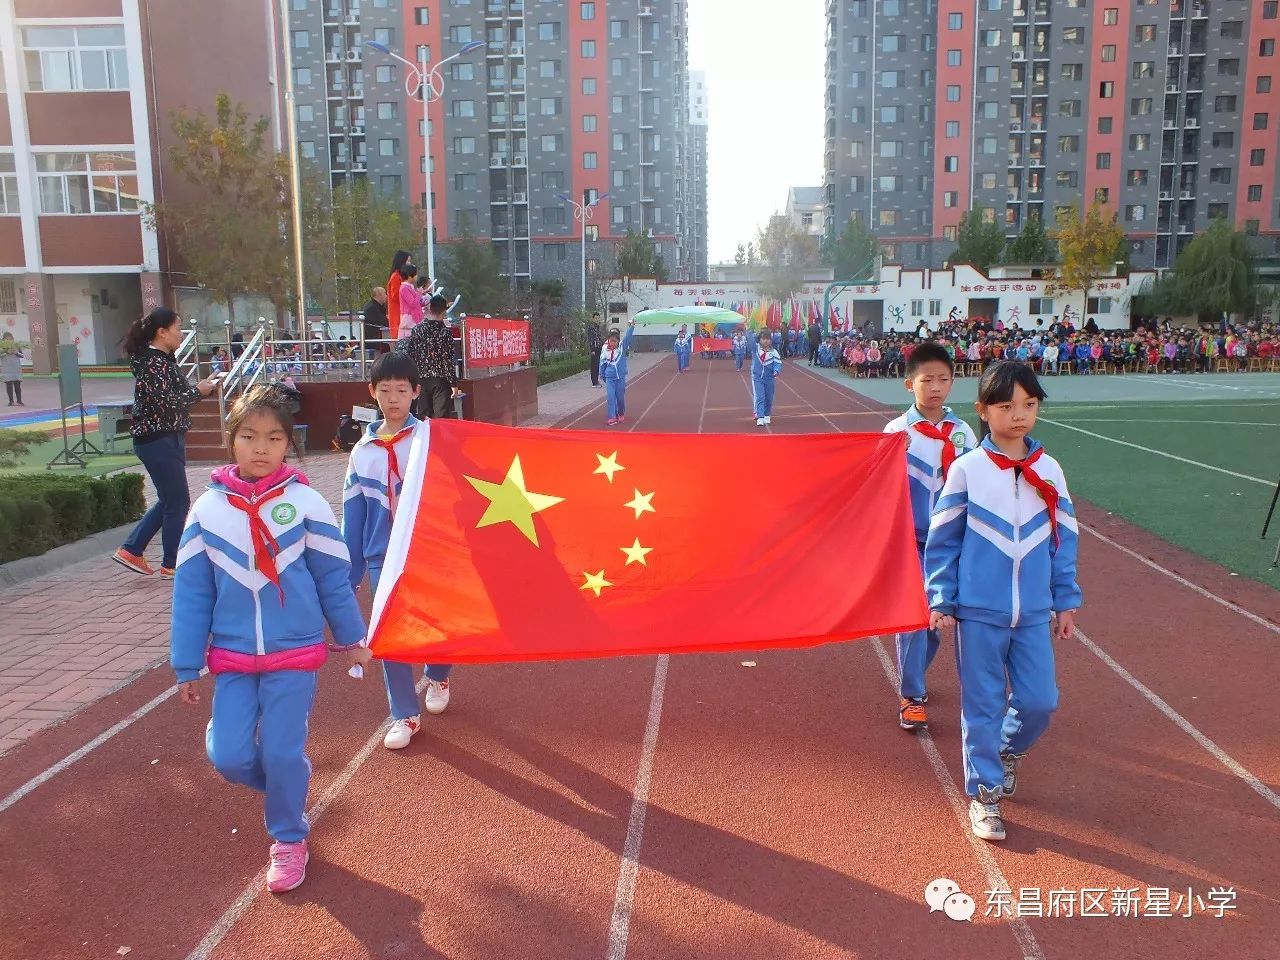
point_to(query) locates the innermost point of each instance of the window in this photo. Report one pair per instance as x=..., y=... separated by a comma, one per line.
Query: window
x=926, y=113
x=464, y=144
x=953, y=93
x=460, y=35
x=950, y=198
x=1255, y=192
x=87, y=182
x=857, y=148
x=954, y=58
x=1069, y=108
x=1251, y=227
x=618, y=104
x=552, y=179
x=1257, y=158
x=1224, y=139
x=1098, y=305
x=1224, y=104
x=893, y=43
x=307, y=149
x=619, y=29
x=620, y=178
x=1069, y=144
x=464, y=108
x=888, y=218
x=1109, y=53
x=1269, y=10
x=1137, y=178
x=953, y=128
x=388, y=110
x=926, y=42
x=388, y=147
x=385, y=74
x=549, y=106
x=891, y=114
x=550, y=142
x=891, y=148
x=306, y=113
x=553, y=252
x=588, y=49
x=589, y=121
x=1144, y=33
x=76, y=58
x=1267, y=47
x=1073, y=71
x=955, y=21
x=926, y=79
x=892, y=8
x=1135, y=213
x=421, y=16
x=1140, y=106
x=464, y=181
x=1073, y=35
x=1144, y=70
x=891, y=78
x=1220, y=175
x=621, y=142
x=301, y=39
x=1067, y=178
x=549, y=31
x=991, y=38
x=1263, y=85
x=1139, y=141
x=1040, y=306
x=989, y=74
x=1111, y=16
x=588, y=86
x=888, y=184
x=301, y=77
x=1260, y=121
x=858, y=115
x=949, y=233
x=1229, y=67
x=951, y=164
x=917, y=308
x=1104, y=124
x=858, y=79
x=590, y=161
x=587, y=11
x=1103, y=161
x=989, y=145
x=856, y=184
x=548, y=68
x=1106, y=90
x=593, y=235
x=621, y=213
x=384, y=36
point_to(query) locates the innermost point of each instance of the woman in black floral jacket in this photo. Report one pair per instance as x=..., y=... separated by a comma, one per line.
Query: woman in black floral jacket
x=162, y=401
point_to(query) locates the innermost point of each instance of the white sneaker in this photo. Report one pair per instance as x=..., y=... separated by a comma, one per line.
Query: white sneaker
x=984, y=815
x=759, y=421
x=401, y=733
x=437, y=696
x=1010, y=762
x=768, y=420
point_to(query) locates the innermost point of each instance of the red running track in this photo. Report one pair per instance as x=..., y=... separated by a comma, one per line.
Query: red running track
x=691, y=807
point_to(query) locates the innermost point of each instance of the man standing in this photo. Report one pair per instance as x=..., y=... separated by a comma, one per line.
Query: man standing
x=375, y=320
x=595, y=340
x=430, y=346
x=815, y=341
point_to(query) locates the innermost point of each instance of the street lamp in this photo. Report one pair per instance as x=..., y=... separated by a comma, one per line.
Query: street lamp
x=582, y=212
x=431, y=84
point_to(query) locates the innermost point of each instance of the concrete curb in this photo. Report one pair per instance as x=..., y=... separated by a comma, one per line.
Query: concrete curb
x=95, y=545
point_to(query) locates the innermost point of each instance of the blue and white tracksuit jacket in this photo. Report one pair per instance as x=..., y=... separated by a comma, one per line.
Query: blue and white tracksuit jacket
x=917, y=649
x=613, y=373
x=991, y=562
x=739, y=349
x=258, y=729
x=764, y=376
x=366, y=527
x=684, y=351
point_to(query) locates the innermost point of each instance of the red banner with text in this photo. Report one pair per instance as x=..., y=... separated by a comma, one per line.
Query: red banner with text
x=490, y=342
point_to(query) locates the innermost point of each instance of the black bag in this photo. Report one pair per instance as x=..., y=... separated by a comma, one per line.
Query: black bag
x=349, y=433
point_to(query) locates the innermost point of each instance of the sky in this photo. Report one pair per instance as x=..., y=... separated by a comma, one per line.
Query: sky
x=764, y=63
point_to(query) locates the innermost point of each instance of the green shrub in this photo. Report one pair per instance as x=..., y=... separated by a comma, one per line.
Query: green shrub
x=14, y=445
x=39, y=511
x=557, y=368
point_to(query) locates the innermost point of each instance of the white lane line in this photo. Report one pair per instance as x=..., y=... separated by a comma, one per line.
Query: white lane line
x=1158, y=453
x=1215, y=423
x=959, y=805
x=597, y=404
x=1256, y=785
x=830, y=422
x=653, y=404
x=255, y=886
x=705, y=393
x=625, y=895
x=848, y=393
x=1194, y=587
x=94, y=744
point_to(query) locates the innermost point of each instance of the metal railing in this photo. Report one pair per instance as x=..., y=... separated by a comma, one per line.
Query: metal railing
x=244, y=372
x=188, y=354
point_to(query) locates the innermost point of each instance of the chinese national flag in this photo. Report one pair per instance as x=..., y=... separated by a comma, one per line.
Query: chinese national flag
x=516, y=544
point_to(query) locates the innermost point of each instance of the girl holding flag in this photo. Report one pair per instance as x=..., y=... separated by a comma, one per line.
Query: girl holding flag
x=684, y=348
x=1004, y=511
x=613, y=372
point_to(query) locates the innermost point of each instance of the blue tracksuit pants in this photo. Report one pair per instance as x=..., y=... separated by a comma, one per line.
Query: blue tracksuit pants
x=991, y=721
x=615, y=393
x=682, y=359
x=738, y=357
x=398, y=677
x=763, y=392
x=916, y=651
x=257, y=737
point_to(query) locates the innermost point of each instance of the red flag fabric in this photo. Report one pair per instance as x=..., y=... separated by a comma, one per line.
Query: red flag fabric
x=516, y=544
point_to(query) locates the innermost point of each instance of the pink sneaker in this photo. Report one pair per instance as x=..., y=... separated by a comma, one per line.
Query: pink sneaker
x=612, y=422
x=622, y=419
x=288, y=866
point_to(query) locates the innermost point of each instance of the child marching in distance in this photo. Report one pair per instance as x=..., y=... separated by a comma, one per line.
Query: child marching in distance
x=936, y=437
x=766, y=367
x=684, y=348
x=739, y=348
x=261, y=569
x=372, y=490
x=613, y=371
x=1002, y=590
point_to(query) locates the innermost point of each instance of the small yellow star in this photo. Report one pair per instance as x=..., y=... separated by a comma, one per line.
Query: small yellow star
x=595, y=581
x=510, y=501
x=608, y=465
x=641, y=503
x=636, y=553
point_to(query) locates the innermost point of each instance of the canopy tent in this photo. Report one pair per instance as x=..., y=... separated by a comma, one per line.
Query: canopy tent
x=694, y=316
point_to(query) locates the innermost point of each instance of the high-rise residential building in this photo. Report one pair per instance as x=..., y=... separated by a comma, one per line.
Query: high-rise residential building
x=807, y=211
x=1167, y=110
x=86, y=91
x=696, y=250
x=585, y=98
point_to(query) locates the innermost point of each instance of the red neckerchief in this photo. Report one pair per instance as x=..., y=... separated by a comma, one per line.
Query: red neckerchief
x=393, y=462
x=613, y=355
x=1048, y=492
x=764, y=358
x=941, y=431
x=265, y=547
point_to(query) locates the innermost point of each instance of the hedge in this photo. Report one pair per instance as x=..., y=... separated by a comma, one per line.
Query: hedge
x=39, y=512
x=557, y=368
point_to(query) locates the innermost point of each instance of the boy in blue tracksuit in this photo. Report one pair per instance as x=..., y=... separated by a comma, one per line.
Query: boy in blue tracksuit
x=766, y=367
x=613, y=373
x=1001, y=566
x=739, y=348
x=936, y=438
x=684, y=348
x=375, y=475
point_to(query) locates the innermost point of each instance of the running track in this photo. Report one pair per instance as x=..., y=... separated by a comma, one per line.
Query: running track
x=692, y=806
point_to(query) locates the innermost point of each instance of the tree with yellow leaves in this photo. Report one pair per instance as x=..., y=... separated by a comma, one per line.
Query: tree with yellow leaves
x=1088, y=249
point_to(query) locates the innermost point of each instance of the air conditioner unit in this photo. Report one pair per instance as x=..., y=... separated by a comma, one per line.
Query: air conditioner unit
x=649, y=233
x=517, y=49
x=497, y=160
x=522, y=198
x=1019, y=55
x=358, y=130
x=1169, y=124
x=520, y=160
x=1165, y=195
x=646, y=11
x=353, y=54
x=1015, y=127
x=1187, y=194
x=1193, y=121
x=1171, y=88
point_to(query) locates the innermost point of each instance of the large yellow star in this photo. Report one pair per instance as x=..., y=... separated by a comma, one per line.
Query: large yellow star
x=636, y=553
x=641, y=503
x=608, y=465
x=595, y=581
x=510, y=501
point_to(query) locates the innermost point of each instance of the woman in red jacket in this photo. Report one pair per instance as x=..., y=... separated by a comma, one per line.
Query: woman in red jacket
x=402, y=259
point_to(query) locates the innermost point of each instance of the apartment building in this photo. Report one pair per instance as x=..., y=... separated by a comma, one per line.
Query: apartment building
x=696, y=249
x=1167, y=110
x=582, y=98
x=807, y=211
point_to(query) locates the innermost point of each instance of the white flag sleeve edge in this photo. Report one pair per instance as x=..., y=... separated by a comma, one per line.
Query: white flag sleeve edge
x=402, y=527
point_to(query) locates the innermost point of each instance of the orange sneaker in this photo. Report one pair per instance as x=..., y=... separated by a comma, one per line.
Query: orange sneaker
x=911, y=715
x=166, y=573
x=131, y=562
